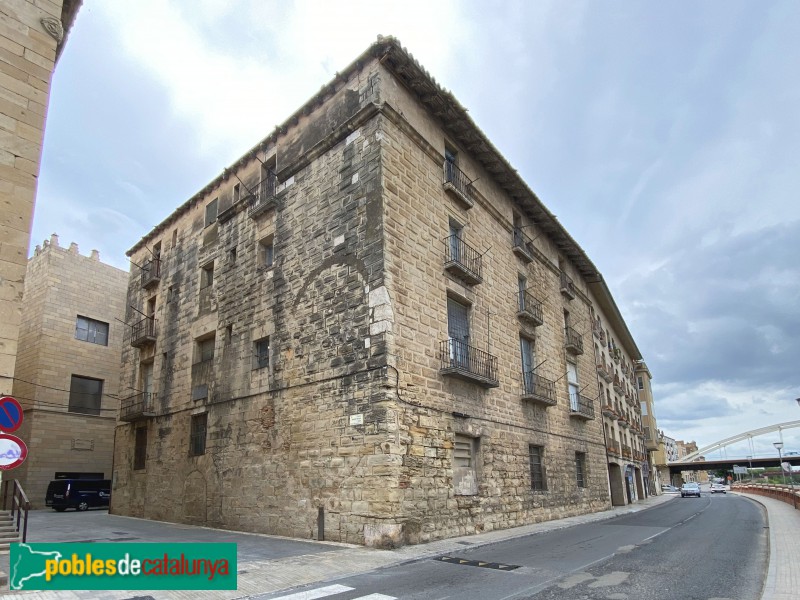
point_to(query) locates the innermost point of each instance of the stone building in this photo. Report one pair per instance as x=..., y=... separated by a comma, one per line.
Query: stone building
x=667, y=452
x=67, y=370
x=617, y=356
x=644, y=390
x=367, y=328
x=32, y=35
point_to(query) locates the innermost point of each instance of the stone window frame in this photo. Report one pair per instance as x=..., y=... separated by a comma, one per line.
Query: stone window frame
x=140, y=448
x=78, y=400
x=266, y=252
x=261, y=353
x=580, y=470
x=90, y=332
x=207, y=275
x=466, y=449
x=198, y=433
x=538, y=471
x=211, y=212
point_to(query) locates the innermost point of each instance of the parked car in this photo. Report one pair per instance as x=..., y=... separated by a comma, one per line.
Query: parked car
x=690, y=489
x=718, y=488
x=80, y=494
x=666, y=489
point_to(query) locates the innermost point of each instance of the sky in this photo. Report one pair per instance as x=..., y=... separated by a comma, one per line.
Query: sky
x=664, y=136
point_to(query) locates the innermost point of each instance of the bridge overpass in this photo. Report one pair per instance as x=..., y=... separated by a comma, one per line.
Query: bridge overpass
x=696, y=461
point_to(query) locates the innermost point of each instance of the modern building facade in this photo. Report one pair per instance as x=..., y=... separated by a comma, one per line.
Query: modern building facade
x=32, y=34
x=68, y=365
x=368, y=328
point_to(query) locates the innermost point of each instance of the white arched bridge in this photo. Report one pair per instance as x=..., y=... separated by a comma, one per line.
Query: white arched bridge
x=695, y=462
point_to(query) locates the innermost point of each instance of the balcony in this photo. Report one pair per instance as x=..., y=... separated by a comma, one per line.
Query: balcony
x=626, y=452
x=457, y=184
x=618, y=385
x=144, y=332
x=538, y=390
x=613, y=448
x=622, y=420
x=263, y=196
x=581, y=407
x=567, y=286
x=137, y=407
x=530, y=309
x=462, y=260
x=604, y=370
x=470, y=364
x=616, y=354
x=151, y=272
x=610, y=412
x=523, y=245
x=573, y=341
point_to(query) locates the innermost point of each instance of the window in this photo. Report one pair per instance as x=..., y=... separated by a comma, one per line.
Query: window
x=211, y=212
x=450, y=162
x=151, y=307
x=458, y=332
x=232, y=255
x=262, y=353
x=526, y=350
x=266, y=251
x=140, y=449
x=572, y=383
x=89, y=330
x=538, y=481
x=522, y=285
x=197, y=437
x=174, y=237
x=207, y=275
x=85, y=395
x=640, y=382
x=146, y=377
x=465, y=479
x=205, y=349
x=157, y=251
x=236, y=193
x=580, y=469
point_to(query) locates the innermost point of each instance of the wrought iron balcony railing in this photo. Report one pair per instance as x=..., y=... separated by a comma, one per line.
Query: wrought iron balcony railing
x=581, y=407
x=530, y=309
x=457, y=183
x=144, y=332
x=573, y=341
x=567, y=286
x=460, y=360
x=262, y=196
x=613, y=447
x=462, y=260
x=609, y=411
x=538, y=390
x=151, y=272
x=138, y=406
x=523, y=245
x=618, y=385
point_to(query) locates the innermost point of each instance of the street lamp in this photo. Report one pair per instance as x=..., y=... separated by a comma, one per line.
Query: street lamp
x=779, y=446
x=750, y=461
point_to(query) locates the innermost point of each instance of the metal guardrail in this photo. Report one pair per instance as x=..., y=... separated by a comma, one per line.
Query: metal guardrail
x=539, y=388
x=20, y=505
x=522, y=243
x=138, y=406
x=458, y=358
x=457, y=179
x=573, y=340
x=262, y=196
x=530, y=308
x=462, y=259
x=143, y=332
x=581, y=405
x=151, y=272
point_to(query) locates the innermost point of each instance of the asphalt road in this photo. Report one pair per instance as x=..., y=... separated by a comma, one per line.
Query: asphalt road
x=689, y=548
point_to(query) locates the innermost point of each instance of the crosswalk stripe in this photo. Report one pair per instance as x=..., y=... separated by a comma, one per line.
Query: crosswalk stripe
x=376, y=597
x=318, y=593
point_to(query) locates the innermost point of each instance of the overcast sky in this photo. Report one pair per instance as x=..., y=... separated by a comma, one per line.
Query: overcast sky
x=664, y=136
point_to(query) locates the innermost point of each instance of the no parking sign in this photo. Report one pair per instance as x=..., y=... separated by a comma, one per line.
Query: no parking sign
x=12, y=449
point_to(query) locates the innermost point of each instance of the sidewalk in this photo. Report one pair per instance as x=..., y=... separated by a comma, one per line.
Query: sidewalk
x=783, y=578
x=261, y=575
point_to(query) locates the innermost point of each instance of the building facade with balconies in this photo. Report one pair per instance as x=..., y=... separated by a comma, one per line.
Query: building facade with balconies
x=68, y=366
x=644, y=390
x=368, y=327
x=616, y=355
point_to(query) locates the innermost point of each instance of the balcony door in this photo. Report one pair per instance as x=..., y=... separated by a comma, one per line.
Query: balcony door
x=147, y=379
x=572, y=381
x=458, y=333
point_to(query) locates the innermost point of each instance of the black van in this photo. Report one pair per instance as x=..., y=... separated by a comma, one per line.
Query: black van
x=80, y=494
